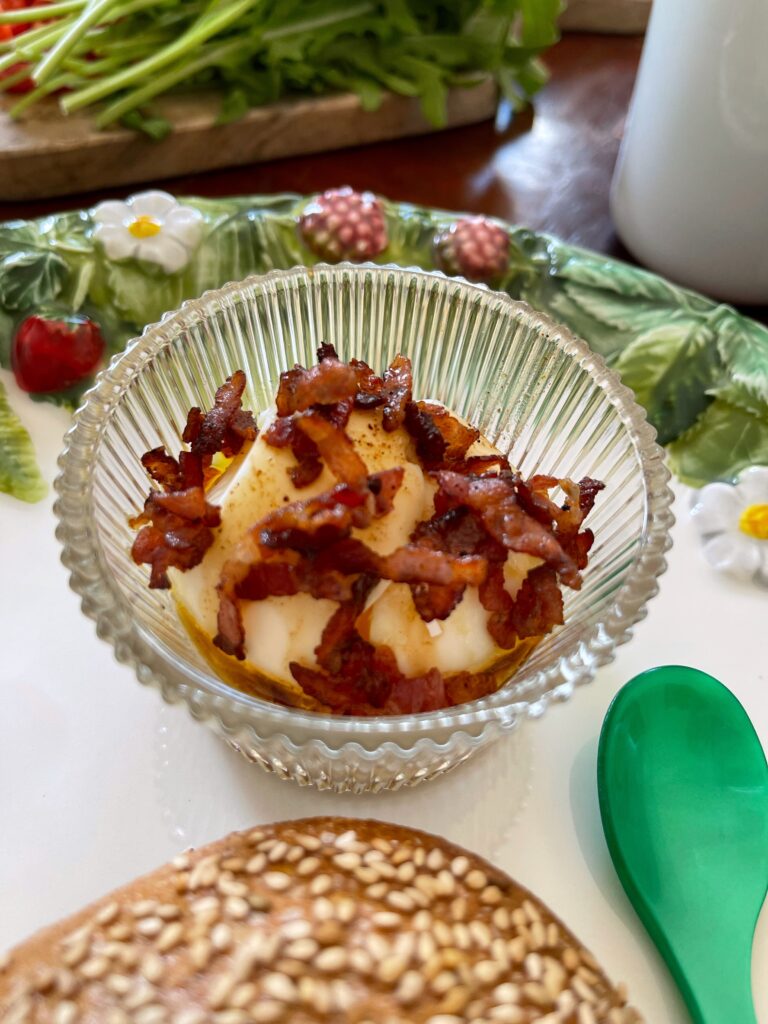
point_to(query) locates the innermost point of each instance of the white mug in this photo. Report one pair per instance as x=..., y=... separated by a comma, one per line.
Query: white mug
x=690, y=191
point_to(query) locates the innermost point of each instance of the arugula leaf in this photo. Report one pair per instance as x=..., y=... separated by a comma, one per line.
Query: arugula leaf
x=28, y=279
x=743, y=345
x=725, y=440
x=19, y=473
x=670, y=370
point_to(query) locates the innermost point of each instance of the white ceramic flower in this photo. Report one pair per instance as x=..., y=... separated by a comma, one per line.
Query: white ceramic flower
x=150, y=226
x=733, y=522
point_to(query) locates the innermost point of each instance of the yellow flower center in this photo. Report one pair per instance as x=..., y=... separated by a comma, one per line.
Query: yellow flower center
x=144, y=227
x=754, y=521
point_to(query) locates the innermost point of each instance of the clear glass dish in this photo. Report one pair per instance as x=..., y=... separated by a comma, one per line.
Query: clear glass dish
x=532, y=388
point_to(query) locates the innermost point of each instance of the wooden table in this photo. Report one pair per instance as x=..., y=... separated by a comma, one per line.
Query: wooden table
x=549, y=169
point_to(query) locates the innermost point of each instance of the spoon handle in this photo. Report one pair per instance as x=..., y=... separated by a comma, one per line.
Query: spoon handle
x=717, y=988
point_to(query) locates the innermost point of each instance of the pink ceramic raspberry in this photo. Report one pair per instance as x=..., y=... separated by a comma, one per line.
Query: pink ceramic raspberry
x=342, y=224
x=474, y=247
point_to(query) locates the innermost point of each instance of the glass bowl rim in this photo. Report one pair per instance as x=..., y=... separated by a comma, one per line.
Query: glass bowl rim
x=105, y=603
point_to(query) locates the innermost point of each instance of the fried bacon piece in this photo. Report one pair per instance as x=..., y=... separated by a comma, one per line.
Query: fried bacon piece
x=496, y=500
x=397, y=390
x=226, y=427
x=329, y=382
x=536, y=609
x=438, y=435
x=302, y=526
x=283, y=433
x=177, y=523
x=403, y=565
x=335, y=448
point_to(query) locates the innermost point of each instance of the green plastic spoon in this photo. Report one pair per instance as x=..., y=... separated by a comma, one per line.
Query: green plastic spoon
x=683, y=787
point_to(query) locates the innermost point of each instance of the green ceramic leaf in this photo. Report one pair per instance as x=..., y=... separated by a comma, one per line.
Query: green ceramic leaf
x=19, y=474
x=28, y=279
x=670, y=370
x=725, y=440
x=744, y=347
x=736, y=393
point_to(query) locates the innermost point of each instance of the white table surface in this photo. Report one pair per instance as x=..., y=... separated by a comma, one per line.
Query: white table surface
x=99, y=781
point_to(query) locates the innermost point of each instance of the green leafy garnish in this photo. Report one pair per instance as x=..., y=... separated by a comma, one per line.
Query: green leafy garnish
x=19, y=474
x=123, y=54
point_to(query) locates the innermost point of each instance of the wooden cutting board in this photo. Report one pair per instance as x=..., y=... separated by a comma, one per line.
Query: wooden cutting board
x=47, y=154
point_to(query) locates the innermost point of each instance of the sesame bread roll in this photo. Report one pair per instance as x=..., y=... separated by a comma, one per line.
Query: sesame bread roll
x=325, y=919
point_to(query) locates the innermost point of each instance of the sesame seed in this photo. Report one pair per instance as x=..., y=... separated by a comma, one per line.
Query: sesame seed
x=322, y=909
x=170, y=936
x=506, y=993
x=302, y=949
x=460, y=866
x=422, y=920
x=553, y=934
x=144, y=908
x=507, y=1014
x=190, y=1015
x=386, y=919
x=243, y=995
x=487, y=971
x=342, y=996
x=278, y=852
x=455, y=1001
x=554, y=977
x=120, y=932
x=410, y=988
x=366, y=876
x=377, y=891
x=446, y=883
x=491, y=895
x=309, y=842
x=181, y=862
x=360, y=960
x=152, y=967
x=277, y=880
x=256, y=864
x=461, y=936
x=443, y=982
x=531, y=911
x=391, y=968
x=308, y=866
x=501, y=918
x=589, y=976
x=331, y=959
x=481, y=933
x=66, y=983
x=65, y=1013
x=116, y=1015
x=534, y=967
x=118, y=983
x=384, y=870
x=538, y=935
x=583, y=990
x=168, y=911
x=255, y=836
x=586, y=1015
x=382, y=845
x=426, y=947
x=279, y=986
x=108, y=913
x=232, y=1016
x=266, y=1012
x=220, y=991
x=94, y=968
x=570, y=958
x=76, y=953
x=517, y=948
x=377, y=946
x=500, y=953
x=320, y=884
x=476, y=879
x=347, y=838
x=536, y=993
x=237, y=907
x=435, y=860
x=426, y=884
x=459, y=908
x=141, y=993
x=200, y=953
x=228, y=886
x=297, y=929
x=419, y=856
x=149, y=926
x=347, y=861
x=406, y=872
x=221, y=937
x=151, y=1015
x=444, y=1018
x=346, y=909
x=399, y=901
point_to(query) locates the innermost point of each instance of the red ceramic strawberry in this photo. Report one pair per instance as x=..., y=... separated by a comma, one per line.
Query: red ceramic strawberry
x=342, y=224
x=53, y=354
x=473, y=247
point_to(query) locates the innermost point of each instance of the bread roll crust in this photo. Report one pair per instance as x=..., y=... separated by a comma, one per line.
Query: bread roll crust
x=319, y=919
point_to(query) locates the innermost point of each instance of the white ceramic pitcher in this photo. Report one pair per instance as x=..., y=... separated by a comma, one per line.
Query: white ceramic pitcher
x=690, y=192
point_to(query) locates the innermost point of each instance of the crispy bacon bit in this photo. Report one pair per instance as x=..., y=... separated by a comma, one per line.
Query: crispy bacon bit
x=466, y=686
x=496, y=499
x=384, y=487
x=177, y=525
x=397, y=390
x=179, y=531
x=439, y=436
x=282, y=433
x=226, y=428
x=335, y=448
x=327, y=351
x=329, y=382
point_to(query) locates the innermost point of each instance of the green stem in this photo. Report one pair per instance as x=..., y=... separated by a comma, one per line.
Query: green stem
x=52, y=61
x=205, y=27
x=42, y=13
x=42, y=90
x=167, y=80
x=30, y=45
x=310, y=24
x=10, y=80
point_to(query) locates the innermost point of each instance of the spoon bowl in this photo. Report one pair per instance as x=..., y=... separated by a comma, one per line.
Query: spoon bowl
x=683, y=789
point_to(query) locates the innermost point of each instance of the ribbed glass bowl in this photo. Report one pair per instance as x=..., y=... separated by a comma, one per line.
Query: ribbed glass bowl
x=532, y=388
